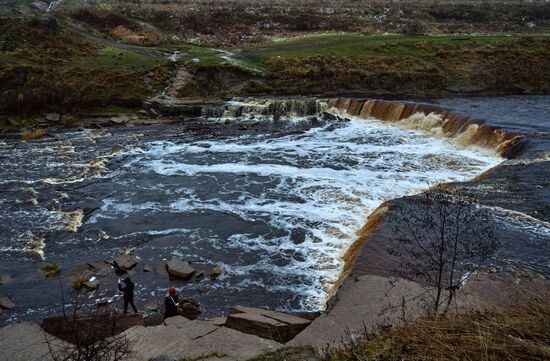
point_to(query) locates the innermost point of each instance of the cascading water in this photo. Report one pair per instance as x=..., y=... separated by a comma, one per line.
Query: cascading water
x=276, y=200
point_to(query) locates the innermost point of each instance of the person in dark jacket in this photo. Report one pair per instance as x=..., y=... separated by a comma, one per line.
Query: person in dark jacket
x=171, y=303
x=126, y=286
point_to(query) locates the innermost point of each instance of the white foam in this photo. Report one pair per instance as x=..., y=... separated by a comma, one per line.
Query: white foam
x=325, y=181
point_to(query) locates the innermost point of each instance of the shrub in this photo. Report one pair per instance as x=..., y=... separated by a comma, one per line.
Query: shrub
x=521, y=332
x=77, y=281
x=51, y=269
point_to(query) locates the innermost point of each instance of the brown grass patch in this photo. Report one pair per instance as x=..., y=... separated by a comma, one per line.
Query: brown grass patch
x=50, y=270
x=518, y=333
x=133, y=37
x=77, y=281
x=33, y=134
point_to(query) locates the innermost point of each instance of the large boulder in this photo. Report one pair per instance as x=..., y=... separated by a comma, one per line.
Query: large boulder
x=126, y=262
x=180, y=269
x=88, y=329
x=98, y=265
x=189, y=308
x=277, y=326
x=53, y=117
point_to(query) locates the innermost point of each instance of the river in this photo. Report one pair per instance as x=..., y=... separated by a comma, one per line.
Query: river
x=275, y=203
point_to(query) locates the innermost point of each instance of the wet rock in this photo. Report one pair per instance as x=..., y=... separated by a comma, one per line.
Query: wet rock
x=273, y=325
x=199, y=275
x=307, y=315
x=162, y=268
x=189, y=308
x=298, y=236
x=180, y=269
x=216, y=272
x=98, y=265
x=120, y=119
x=152, y=306
x=92, y=284
x=53, y=117
x=328, y=116
x=126, y=262
x=5, y=278
x=6, y=303
x=148, y=268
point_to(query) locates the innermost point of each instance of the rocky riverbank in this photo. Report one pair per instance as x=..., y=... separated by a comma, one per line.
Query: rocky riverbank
x=369, y=295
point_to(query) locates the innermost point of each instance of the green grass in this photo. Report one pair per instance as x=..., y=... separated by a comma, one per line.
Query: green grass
x=206, y=56
x=344, y=45
x=356, y=46
x=112, y=57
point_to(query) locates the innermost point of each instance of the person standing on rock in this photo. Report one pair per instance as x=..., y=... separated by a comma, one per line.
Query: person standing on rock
x=171, y=303
x=128, y=293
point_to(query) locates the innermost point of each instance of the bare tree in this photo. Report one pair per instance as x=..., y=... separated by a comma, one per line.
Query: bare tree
x=441, y=239
x=90, y=334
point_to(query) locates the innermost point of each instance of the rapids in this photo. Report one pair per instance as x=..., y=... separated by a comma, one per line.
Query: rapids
x=275, y=202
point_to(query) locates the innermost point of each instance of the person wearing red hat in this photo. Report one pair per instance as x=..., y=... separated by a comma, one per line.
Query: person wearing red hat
x=171, y=303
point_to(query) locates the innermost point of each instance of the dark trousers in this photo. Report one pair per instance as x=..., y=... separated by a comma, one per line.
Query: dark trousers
x=131, y=302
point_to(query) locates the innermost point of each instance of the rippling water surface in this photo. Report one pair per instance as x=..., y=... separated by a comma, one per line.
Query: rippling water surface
x=275, y=204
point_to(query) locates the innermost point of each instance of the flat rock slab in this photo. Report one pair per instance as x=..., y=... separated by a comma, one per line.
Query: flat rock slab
x=174, y=340
x=218, y=321
x=126, y=262
x=180, y=269
x=98, y=265
x=26, y=341
x=191, y=329
x=256, y=324
x=273, y=325
x=363, y=302
x=69, y=328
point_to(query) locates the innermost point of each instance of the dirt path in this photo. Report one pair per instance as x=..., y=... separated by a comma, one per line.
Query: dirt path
x=180, y=79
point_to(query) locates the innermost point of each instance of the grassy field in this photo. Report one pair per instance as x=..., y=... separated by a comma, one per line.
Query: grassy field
x=47, y=65
x=117, y=58
x=360, y=46
x=396, y=64
x=90, y=58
